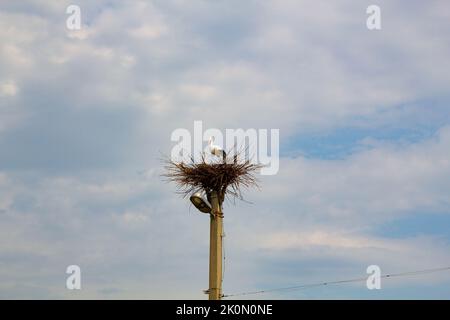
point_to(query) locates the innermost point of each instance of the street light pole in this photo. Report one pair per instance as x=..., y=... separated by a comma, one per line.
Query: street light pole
x=215, y=248
x=215, y=180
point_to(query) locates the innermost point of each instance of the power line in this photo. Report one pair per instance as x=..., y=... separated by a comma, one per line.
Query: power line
x=319, y=284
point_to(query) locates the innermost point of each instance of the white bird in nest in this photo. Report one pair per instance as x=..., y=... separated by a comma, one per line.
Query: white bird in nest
x=216, y=150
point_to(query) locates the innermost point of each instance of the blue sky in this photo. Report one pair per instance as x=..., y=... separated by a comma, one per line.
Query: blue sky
x=85, y=115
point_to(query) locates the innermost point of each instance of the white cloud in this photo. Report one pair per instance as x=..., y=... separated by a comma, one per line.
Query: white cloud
x=81, y=34
x=405, y=254
x=374, y=185
x=148, y=32
x=291, y=240
x=8, y=88
x=136, y=71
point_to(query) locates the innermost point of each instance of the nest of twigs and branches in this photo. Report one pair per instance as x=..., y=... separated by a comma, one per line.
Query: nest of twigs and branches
x=227, y=177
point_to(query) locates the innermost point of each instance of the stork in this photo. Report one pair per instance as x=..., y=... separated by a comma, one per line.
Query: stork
x=216, y=150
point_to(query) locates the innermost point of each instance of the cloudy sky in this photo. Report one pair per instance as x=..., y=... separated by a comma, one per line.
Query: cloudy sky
x=364, y=119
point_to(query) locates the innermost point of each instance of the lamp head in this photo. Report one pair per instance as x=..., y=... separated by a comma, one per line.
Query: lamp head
x=200, y=203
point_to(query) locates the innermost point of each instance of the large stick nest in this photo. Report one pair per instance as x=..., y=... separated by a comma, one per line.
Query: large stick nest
x=225, y=177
